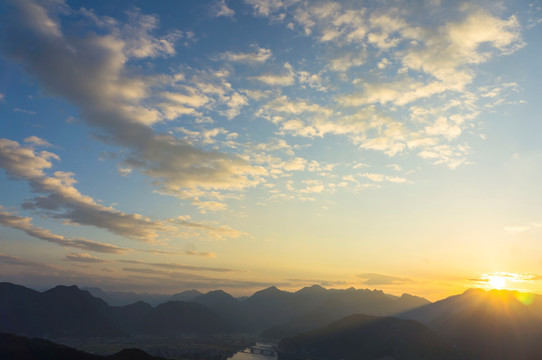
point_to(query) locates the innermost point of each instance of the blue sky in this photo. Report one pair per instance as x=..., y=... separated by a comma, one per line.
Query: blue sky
x=239, y=144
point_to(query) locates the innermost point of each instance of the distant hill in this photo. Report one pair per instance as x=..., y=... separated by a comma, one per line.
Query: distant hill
x=14, y=347
x=496, y=324
x=178, y=317
x=187, y=295
x=360, y=337
x=121, y=298
x=215, y=297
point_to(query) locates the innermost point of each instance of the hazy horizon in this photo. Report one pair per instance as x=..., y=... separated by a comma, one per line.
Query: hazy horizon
x=237, y=145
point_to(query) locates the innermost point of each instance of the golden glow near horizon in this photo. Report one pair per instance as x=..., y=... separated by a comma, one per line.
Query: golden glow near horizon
x=505, y=281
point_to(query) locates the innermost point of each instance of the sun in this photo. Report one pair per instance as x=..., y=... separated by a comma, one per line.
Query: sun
x=497, y=282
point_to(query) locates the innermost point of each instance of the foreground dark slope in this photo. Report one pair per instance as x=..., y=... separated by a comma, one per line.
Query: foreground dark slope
x=360, y=337
x=498, y=324
x=14, y=347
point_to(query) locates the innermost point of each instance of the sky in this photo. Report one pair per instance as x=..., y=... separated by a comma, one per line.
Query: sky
x=164, y=146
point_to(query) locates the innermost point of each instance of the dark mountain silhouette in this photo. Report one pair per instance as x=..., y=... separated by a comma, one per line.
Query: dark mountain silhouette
x=215, y=297
x=62, y=311
x=497, y=324
x=121, y=298
x=368, y=337
x=229, y=308
x=14, y=347
x=187, y=295
x=315, y=306
x=131, y=318
x=177, y=317
x=299, y=324
x=69, y=311
x=75, y=312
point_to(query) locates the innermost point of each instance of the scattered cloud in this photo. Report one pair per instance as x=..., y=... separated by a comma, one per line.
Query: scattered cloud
x=285, y=78
x=260, y=55
x=24, y=111
x=384, y=178
x=220, y=8
x=34, y=140
x=83, y=257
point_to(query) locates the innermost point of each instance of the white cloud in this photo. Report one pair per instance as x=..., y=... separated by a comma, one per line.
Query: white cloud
x=347, y=61
x=312, y=186
x=445, y=53
x=260, y=55
x=37, y=141
x=384, y=178
x=287, y=78
x=220, y=8
x=266, y=7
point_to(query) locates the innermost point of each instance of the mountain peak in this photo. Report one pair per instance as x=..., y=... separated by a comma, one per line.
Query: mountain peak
x=313, y=289
x=270, y=291
x=213, y=297
x=64, y=290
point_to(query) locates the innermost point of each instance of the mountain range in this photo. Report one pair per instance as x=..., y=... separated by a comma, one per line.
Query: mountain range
x=477, y=324
x=70, y=311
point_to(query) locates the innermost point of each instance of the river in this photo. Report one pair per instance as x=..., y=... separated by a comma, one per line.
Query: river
x=256, y=353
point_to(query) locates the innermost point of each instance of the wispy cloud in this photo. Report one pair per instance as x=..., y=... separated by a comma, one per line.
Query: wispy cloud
x=260, y=55
x=83, y=257
x=381, y=279
x=176, y=266
x=63, y=201
x=25, y=224
x=17, y=261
